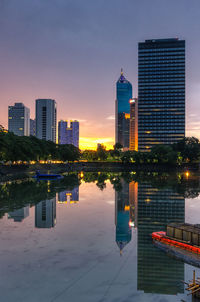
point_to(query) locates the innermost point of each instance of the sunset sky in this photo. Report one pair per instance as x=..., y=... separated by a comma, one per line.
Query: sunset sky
x=73, y=50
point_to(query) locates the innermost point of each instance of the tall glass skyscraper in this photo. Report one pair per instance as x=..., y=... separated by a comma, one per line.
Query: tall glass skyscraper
x=46, y=116
x=19, y=119
x=122, y=110
x=161, y=92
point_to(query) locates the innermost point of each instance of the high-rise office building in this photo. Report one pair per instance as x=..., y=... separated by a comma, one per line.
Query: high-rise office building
x=32, y=127
x=133, y=136
x=46, y=114
x=19, y=119
x=122, y=111
x=161, y=92
x=68, y=135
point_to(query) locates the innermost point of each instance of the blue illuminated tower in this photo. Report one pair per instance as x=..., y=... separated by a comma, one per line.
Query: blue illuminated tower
x=122, y=110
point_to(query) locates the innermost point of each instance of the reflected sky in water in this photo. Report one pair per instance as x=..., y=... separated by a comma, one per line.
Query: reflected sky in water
x=64, y=242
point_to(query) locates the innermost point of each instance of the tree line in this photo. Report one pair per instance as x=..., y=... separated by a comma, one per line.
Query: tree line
x=185, y=150
x=30, y=148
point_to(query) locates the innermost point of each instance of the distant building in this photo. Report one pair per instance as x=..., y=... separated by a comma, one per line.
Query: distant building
x=68, y=135
x=161, y=92
x=74, y=125
x=32, y=127
x=122, y=111
x=19, y=215
x=133, y=138
x=19, y=119
x=69, y=196
x=46, y=115
x=45, y=214
x=62, y=132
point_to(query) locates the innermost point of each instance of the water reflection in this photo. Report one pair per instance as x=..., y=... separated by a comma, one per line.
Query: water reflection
x=122, y=216
x=19, y=215
x=157, y=272
x=45, y=214
x=125, y=212
x=69, y=196
x=143, y=204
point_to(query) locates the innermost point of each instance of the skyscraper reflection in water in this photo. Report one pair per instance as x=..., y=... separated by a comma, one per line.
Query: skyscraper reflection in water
x=69, y=196
x=158, y=272
x=19, y=215
x=45, y=214
x=124, y=213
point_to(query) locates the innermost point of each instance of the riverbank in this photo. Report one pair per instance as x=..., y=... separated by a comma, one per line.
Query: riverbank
x=13, y=172
x=128, y=167
x=23, y=171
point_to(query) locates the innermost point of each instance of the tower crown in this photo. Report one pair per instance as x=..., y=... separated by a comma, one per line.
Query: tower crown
x=122, y=78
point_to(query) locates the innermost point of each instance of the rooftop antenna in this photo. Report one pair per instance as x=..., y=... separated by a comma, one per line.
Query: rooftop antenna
x=121, y=71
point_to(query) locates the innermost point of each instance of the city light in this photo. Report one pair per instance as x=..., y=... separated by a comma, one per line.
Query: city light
x=187, y=174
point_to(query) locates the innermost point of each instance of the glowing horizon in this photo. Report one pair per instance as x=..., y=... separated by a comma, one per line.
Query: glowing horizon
x=90, y=143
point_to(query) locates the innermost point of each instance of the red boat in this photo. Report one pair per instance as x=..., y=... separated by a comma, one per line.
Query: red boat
x=181, y=240
x=183, y=235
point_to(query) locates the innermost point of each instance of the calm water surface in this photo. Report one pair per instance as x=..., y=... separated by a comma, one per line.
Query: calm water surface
x=88, y=239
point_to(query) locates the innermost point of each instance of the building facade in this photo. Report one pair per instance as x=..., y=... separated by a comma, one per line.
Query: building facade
x=161, y=92
x=32, y=127
x=68, y=135
x=74, y=125
x=62, y=132
x=122, y=111
x=19, y=119
x=46, y=116
x=133, y=136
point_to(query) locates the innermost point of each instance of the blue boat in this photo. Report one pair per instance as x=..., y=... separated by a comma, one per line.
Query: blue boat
x=47, y=176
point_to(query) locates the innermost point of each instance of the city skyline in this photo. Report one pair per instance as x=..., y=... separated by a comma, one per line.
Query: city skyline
x=83, y=57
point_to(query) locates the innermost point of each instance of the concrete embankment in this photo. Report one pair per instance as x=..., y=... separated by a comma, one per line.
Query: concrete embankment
x=22, y=171
x=123, y=167
x=13, y=172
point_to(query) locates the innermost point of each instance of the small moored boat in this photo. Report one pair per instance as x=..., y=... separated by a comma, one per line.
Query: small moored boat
x=181, y=240
x=47, y=176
